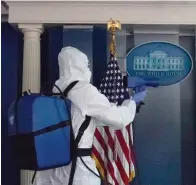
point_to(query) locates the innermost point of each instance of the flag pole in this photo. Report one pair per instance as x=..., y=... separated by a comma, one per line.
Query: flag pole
x=115, y=167
x=113, y=25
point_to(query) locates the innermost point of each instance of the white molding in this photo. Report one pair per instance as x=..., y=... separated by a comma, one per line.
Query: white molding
x=99, y=12
x=157, y=1
x=190, y=33
x=156, y=32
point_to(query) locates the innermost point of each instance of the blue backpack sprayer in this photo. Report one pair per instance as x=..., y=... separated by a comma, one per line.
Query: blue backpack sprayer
x=41, y=132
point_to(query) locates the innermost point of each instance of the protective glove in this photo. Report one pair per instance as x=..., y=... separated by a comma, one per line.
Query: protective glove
x=139, y=94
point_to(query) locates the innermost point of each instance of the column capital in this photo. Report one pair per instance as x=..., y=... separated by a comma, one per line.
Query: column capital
x=31, y=28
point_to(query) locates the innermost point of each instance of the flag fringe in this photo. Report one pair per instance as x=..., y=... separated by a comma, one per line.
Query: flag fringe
x=99, y=167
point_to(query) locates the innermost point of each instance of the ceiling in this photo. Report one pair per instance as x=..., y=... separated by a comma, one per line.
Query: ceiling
x=188, y=29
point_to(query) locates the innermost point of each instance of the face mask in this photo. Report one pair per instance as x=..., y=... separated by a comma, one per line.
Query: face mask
x=88, y=75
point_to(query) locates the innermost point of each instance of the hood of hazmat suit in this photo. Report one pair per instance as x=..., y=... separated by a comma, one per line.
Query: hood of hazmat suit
x=86, y=100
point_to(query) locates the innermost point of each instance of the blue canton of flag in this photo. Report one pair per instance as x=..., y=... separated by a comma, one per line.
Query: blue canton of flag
x=112, y=84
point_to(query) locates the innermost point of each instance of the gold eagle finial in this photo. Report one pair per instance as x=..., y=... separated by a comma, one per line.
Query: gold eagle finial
x=113, y=25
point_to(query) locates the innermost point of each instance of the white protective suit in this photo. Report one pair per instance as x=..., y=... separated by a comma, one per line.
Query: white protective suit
x=86, y=100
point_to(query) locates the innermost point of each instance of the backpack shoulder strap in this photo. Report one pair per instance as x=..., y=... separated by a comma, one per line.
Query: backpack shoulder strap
x=76, y=141
x=82, y=128
x=69, y=87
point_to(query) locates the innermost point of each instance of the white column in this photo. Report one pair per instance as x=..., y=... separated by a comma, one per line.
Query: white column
x=31, y=56
x=31, y=71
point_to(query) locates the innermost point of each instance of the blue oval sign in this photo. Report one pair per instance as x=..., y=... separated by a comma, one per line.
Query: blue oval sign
x=165, y=62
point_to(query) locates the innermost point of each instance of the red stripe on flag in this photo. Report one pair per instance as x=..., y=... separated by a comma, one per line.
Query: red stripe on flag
x=110, y=139
x=131, y=145
x=128, y=127
x=122, y=172
x=123, y=144
x=100, y=140
x=109, y=164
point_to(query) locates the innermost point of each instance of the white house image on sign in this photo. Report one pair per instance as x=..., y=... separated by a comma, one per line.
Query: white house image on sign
x=158, y=61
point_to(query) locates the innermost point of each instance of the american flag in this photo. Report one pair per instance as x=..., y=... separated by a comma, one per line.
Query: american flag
x=112, y=150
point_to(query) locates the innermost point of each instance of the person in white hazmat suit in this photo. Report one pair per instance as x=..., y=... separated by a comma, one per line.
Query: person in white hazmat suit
x=86, y=100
